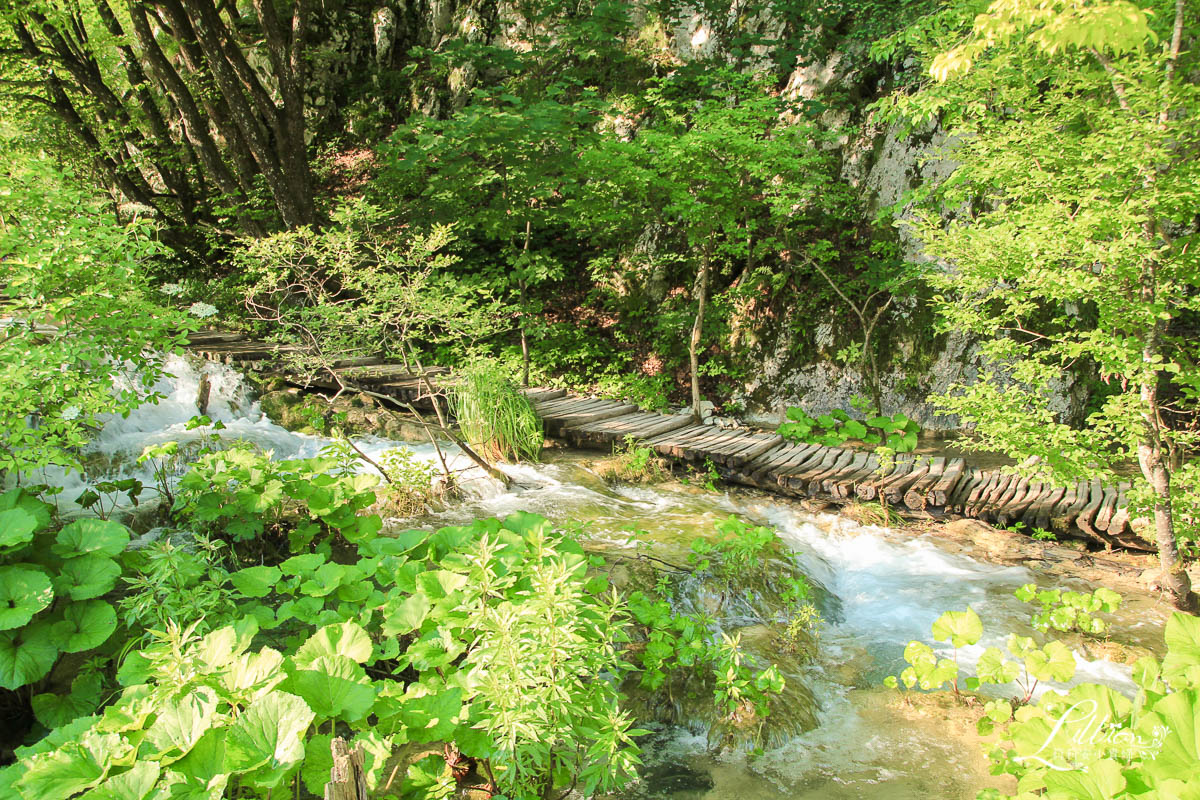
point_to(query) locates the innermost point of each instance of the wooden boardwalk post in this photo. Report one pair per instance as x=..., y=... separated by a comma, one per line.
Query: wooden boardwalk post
x=347, y=779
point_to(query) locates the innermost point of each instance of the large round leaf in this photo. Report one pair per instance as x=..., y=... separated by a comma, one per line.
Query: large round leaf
x=345, y=639
x=18, y=498
x=85, y=577
x=256, y=581
x=85, y=625
x=16, y=527
x=26, y=655
x=56, y=710
x=92, y=536
x=335, y=687
x=266, y=740
x=23, y=593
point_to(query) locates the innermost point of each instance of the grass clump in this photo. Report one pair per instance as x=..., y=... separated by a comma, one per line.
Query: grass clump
x=634, y=462
x=495, y=418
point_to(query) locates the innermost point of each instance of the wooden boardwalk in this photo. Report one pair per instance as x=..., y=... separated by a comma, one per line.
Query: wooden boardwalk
x=931, y=486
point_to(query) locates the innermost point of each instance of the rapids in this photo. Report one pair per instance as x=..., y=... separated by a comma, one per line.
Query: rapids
x=880, y=589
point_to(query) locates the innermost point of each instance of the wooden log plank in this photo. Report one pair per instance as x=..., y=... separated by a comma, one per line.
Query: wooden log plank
x=842, y=486
x=982, y=490
x=818, y=461
x=702, y=448
x=712, y=443
x=1018, y=483
x=1021, y=502
x=542, y=395
x=594, y=414
x=894, y=488
x=1037, y=516
x=1083, y=520
x=914, y=497
x=990, y=499
x=763, y=470
x=868, y=488
x=1118, y=526
x=567, y=405
x=760, y=445
x=958, y=498
x=670, y=444
x=940, y=494
x=1107, y=508
x=822, y=483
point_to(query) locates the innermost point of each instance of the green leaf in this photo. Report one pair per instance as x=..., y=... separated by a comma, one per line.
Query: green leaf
x=56, y=710
x=1054, y=662
x=70, y=769
x=23, y=593
x=17, y=527
x=993, y=668
x=26, y=655
x=85, y=625
x=89, y=535
x=252, y=673
x=179, y=725
x=1181, y=666
x=407, y=615
x=85, y=577
x=304, y=564
x=855, y=429
x=1100, y=780
x=335, y=688
x=960, y=628
x=255, y=581
x=430, y=717
x=318, y=761
x=266, y=740
x=344, y=639
x=133, y=784
x=1026, y=593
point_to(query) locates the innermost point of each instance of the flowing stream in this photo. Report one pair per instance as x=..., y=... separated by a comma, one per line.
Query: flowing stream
x=879, y=589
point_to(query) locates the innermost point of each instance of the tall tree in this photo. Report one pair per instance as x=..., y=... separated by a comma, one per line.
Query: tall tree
x=1079, y=147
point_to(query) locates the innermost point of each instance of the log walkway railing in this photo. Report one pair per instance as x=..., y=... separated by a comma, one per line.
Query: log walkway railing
x=918, y=485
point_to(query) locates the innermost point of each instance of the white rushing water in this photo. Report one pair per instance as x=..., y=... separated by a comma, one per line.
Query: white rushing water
x=887, y=590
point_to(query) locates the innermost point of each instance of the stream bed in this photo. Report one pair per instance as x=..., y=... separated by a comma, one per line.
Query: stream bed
x=880, y=588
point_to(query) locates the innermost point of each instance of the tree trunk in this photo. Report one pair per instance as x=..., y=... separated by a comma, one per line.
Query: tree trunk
x=697, y=329
x=1175, y=581
x=524, y=337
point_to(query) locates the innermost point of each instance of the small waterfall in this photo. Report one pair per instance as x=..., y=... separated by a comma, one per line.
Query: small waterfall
x=113, y=453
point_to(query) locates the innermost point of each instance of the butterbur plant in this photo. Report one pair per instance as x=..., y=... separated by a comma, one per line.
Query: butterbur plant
x=1068, y=611
x=1034, y=664
x=52, y=597
x=897, y=433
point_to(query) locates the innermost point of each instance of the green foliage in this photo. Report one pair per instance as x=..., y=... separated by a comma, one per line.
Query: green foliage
x=1076, y=169
x=647, y=392
x=244, y=496
x=495, y=417
x=897, y=433
x=1070, y=611
x=52, y=589
x=463, y=613
x=1094, y=742
x=410, y=482
x=82, y=334
x=1034, y=664
x=359, y=286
